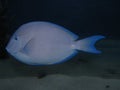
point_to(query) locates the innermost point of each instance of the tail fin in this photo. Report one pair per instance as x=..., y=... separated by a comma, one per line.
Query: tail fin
x=87, y=44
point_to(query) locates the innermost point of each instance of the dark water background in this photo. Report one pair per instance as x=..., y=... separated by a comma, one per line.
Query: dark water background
x=83, y=17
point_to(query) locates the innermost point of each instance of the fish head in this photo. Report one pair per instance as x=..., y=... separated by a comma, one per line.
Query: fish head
x=14, y=45
x=19, y=39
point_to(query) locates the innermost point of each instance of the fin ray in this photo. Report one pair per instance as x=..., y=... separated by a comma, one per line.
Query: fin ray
x=88, y=44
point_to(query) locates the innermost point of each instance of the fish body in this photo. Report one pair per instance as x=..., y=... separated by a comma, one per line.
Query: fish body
x=45, y=43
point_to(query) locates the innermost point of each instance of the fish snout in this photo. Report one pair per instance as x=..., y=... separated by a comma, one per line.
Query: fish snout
x=12, y=48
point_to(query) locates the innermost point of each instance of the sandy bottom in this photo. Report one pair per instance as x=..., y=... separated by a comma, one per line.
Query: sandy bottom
x=83, y=72
x=59, y=82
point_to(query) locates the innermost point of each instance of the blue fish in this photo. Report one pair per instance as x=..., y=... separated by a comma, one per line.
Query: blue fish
x=45, y=43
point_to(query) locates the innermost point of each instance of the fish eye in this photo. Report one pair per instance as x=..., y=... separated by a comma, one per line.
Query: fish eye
x=16, y=38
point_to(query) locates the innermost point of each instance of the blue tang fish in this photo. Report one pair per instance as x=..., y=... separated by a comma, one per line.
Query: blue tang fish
x=45, y=43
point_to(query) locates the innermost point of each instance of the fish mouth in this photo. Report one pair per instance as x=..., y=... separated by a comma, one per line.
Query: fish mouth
x=13, y=52
x=12, y=49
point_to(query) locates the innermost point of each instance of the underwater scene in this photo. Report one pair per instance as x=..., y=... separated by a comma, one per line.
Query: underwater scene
x=59, y=45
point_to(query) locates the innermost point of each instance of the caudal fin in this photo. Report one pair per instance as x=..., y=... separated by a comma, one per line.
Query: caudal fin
x=88, y=44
